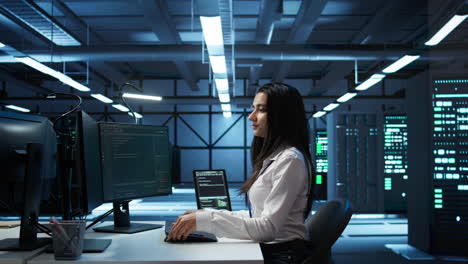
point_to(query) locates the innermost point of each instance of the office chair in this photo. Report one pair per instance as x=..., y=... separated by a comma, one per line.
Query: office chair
x=324, y=228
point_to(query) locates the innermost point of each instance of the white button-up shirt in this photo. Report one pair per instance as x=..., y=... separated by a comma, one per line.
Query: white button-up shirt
x=278, y=199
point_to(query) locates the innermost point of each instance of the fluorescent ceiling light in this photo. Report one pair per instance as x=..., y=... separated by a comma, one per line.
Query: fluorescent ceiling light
x=2, y=45
x=137, y=115
x=226, y=107
x=142, y=96
x=120, y=107
x=213, y=36
x=446, y=29
x=102, y=98
x=331, y=106
x=224, y=98
x=212, y=30
x=346, y=97
x=222, y=84
x=319, y=114
x=402, y=62
x=39, y=66
x=49, y=71
x=218, y=64
x=69, y=81
x=17, y=108
x=375, y=78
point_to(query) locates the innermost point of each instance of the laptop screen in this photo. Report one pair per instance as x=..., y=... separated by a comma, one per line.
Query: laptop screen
x=211, y=189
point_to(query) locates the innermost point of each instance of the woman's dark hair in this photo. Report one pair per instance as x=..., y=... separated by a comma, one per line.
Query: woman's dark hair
x=287, y=126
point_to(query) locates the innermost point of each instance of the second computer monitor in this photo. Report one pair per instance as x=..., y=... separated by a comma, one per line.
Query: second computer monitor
x=87, y=165
x=211, y=189
x=135, y=161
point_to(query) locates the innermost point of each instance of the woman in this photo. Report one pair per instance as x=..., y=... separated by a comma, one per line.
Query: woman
x=280, y=188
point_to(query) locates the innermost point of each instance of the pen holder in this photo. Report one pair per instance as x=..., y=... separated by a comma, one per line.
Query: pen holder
x=67, y=239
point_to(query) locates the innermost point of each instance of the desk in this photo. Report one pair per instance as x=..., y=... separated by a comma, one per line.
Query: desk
x=16, y=257
x=149, y=247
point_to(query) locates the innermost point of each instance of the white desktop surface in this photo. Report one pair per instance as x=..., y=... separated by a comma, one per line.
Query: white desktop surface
x=16, y=257
x=149, y=247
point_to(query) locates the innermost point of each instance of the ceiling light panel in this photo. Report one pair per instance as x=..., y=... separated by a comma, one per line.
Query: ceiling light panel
x=346, y=97
x=224, y=98
x=137, y=115
x=402, y=62
x=69, y=81
x=49, y=71
x=226, y=107
x=102, y=98
x=142, y=96
x=120, y=107
x=446, y=29
x=212, y=30
x=214, y=39
x=331, y=106
x=39, y=66
x=375, y=78
x=222, y=85
x=319, y=114
x=17, y=108
x=218, y=64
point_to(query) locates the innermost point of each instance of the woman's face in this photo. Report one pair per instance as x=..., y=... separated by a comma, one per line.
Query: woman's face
x=259, y=115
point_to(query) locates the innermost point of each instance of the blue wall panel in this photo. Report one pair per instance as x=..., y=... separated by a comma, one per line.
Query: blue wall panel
x=232, y=160
x=199, y=123
x=234, y=137
x=159, y=120
x=192, y=159
x=186, y=137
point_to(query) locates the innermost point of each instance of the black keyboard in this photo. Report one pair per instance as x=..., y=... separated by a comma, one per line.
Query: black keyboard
x=196, y=236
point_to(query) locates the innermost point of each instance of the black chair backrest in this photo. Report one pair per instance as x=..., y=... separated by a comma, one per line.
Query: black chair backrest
x=327, y=224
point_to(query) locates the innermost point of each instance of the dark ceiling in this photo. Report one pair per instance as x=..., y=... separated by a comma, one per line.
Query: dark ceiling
x=161, y=39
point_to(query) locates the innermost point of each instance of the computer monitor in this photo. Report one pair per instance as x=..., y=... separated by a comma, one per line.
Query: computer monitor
x=79, y=156
x=28, y=155
x=211, y=189
x=88, y=176
x=136, y=163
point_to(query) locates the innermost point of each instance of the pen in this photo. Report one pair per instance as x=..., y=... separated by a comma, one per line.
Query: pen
x=62, y=234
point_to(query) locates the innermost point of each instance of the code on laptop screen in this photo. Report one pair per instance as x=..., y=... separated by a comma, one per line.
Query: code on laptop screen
x=211, y=189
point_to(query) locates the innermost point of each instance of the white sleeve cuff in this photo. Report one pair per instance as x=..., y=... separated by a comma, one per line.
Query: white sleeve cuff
x=204, y=221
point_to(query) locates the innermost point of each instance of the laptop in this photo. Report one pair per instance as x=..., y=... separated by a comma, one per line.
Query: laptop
x=211, y=189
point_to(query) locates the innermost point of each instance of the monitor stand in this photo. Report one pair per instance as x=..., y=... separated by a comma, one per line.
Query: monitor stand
x=95, y=245
x=89, y=245
x=122, y=221
x=28, y=239
x=14, y=244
